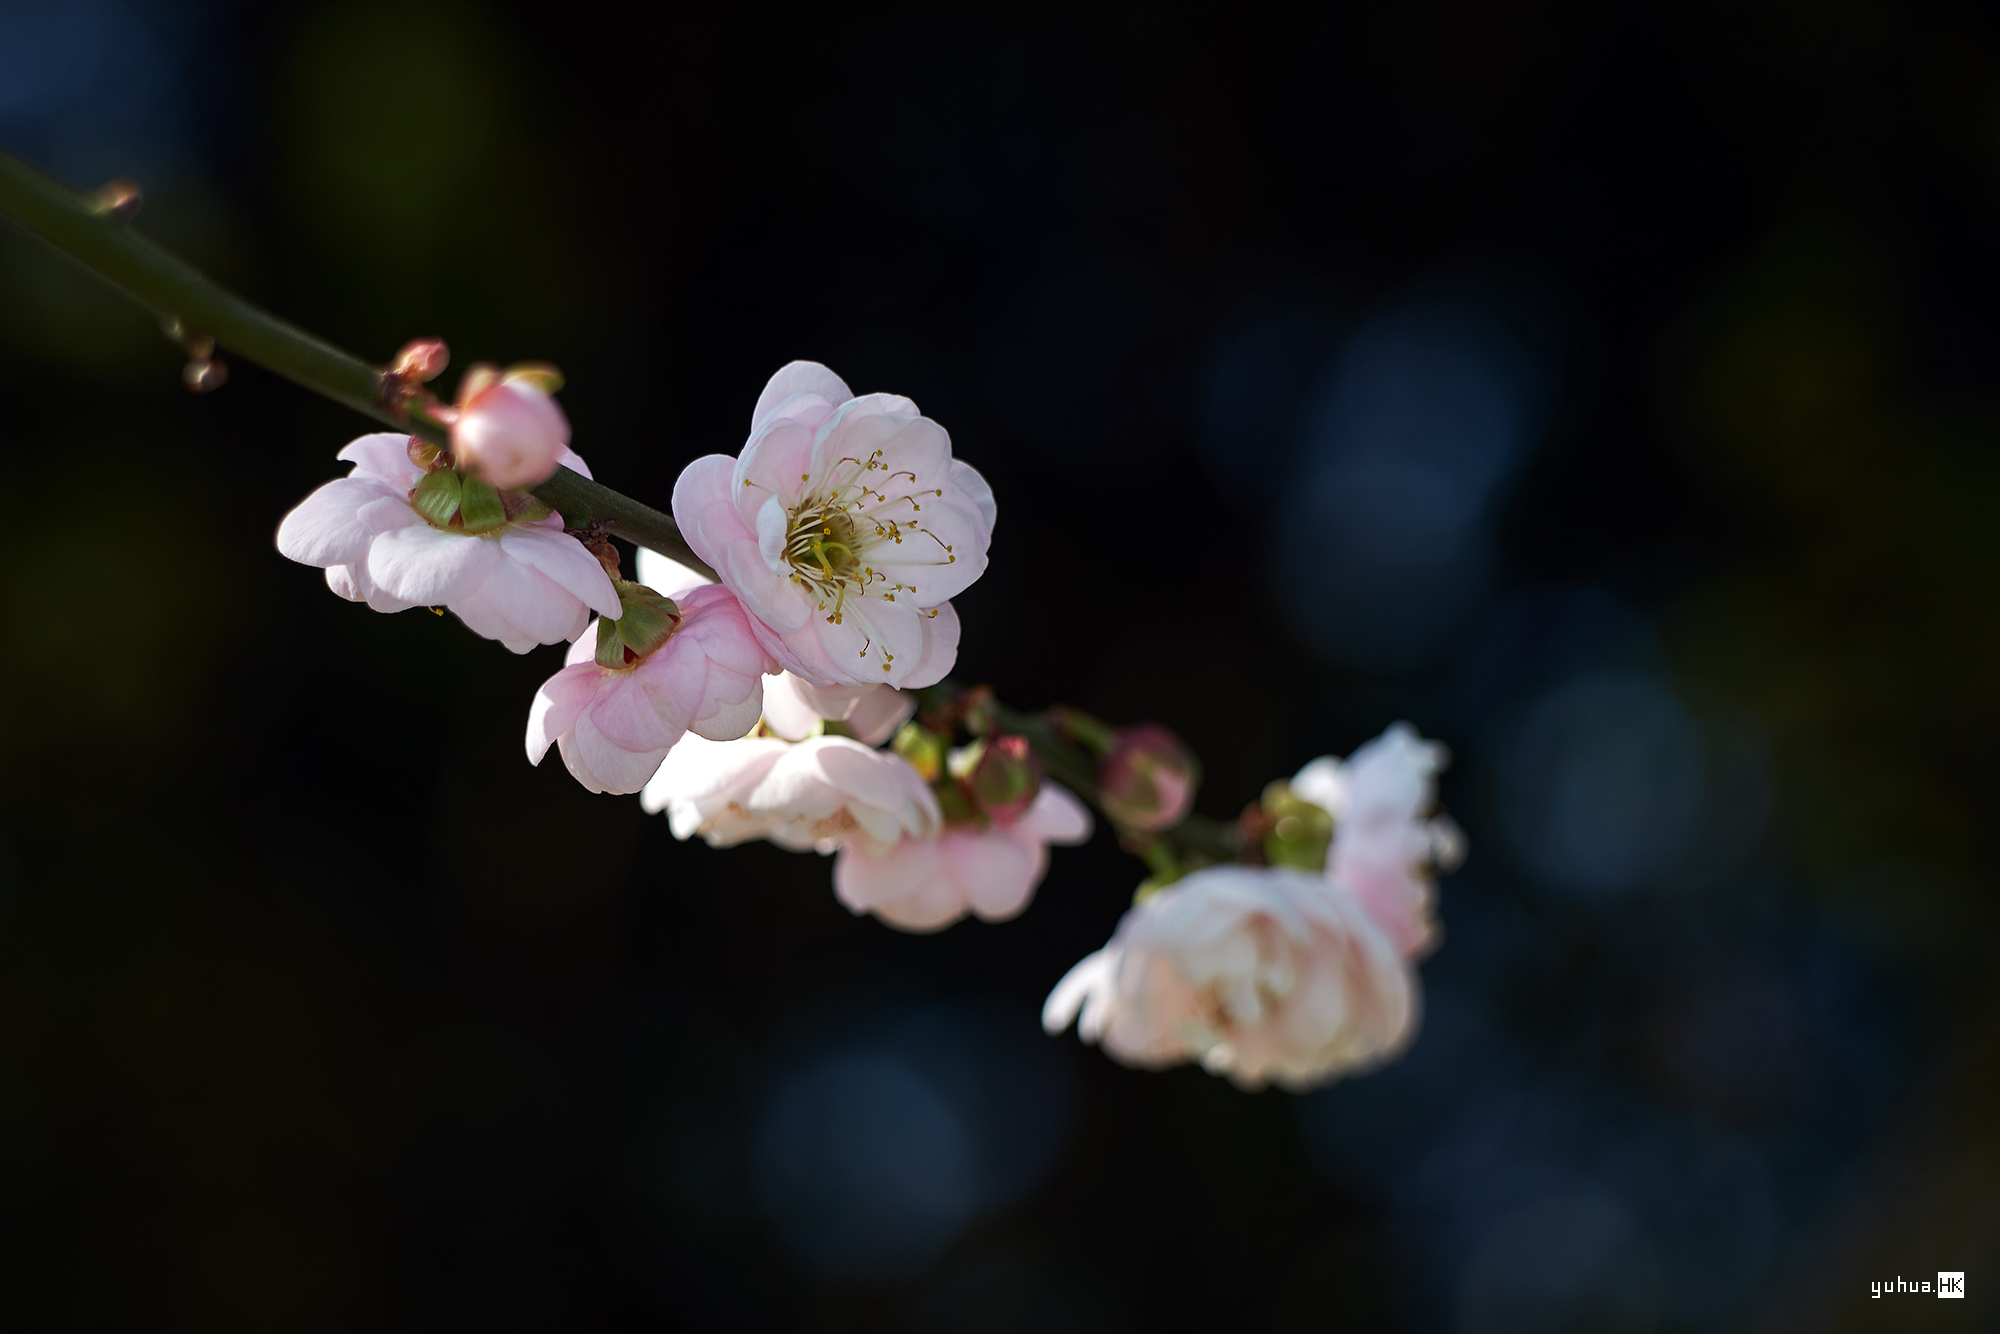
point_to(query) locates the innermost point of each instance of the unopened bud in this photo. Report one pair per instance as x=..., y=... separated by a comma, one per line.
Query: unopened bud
x=1006, y=777
x=1148, y=779
x=508, y=429
x=204, y=374
x=1298, y=832
x=648, y=621
x=423, y=453
x=118, y=199
x=922, y=748
x=421, y=360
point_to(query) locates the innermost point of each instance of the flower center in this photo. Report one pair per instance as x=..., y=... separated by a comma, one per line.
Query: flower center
x=860, y=505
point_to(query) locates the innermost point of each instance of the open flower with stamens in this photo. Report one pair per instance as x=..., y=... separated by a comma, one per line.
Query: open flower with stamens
x=1386, y=840
x=989, y=868
x=845, y=526
x=1260, y=973
x=616, y=713
x=395, y=535
x=821, y=794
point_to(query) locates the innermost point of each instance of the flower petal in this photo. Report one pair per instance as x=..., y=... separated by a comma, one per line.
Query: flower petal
x=326, y=529
x=792, y=382
x=1055, y=817
x=426, y=567
x=705, y=508
x=384, y=455
x=566, y=562
x=556, y=706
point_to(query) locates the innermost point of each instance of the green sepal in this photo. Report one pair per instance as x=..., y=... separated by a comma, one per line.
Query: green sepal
x=526, y=507
x=922, y=748
x=955, y=804
x=610, y=648
x=649, y=620
x=479, y=507
x=1300, y=831
x=437, y=497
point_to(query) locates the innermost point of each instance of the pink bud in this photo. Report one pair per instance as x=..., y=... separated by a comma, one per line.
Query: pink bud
x=421, y=360
x=511, y=433
x=1006, y=777
x=1148, y=778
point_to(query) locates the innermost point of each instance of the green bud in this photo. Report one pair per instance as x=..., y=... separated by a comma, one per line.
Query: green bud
x=1007, y=777
x=923, y=748
x=479, y=507
x=437, y=497
x=1300, y=831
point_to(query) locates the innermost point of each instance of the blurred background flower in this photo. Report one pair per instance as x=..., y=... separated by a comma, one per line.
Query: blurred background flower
x=1609, y=393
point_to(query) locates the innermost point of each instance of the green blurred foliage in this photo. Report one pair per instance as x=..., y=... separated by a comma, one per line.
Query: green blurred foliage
x=105, y=621
x=416, y=162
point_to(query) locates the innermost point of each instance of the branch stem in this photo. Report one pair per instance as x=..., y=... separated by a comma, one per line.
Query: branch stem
x=189, y=307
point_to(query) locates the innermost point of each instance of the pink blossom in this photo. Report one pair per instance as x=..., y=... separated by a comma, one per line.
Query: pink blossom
x=824, y=793
x=923, y=884
x=1385, y=840
x=794, y=707
x=615, y=725
x=509, y=431
x=524, y=583
x=1260, y=973
x=845, y=526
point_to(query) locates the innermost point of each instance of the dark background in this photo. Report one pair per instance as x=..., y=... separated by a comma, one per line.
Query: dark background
x=1608, y=393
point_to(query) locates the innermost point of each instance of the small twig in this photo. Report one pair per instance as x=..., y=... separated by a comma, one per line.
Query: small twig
x=92, y=230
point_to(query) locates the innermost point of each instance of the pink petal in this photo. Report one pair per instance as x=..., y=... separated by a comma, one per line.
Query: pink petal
x=968, y=481
x=727, y=719
x=572, y=460
x=940, y=559
x=1055, y=817
x=325, y=528
x=557, y=703
x=998, y=872
x=875, y=716
x=775, y=465
x=771, y=598
x=602, y=765
x=426, y=567
x=565, y=561
x=885, y=422
x=940, y=650
x=787, y=711
x=705, y=507
x=388, y=514
x=649, y=712
x=793, y=380
x=517, y=604
x=386, y=455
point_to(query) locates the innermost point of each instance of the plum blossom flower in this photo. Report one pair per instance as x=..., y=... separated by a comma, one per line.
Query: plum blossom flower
x=1260, y=973
x=508, y=429
x=520, y=579
x=1386, y=842
x=824, y=793
x=845, y=526
x=923, y=884
x=615, y=724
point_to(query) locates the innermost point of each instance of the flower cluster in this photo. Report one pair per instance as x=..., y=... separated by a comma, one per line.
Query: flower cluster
x=780, y=700
x=1283, y=972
